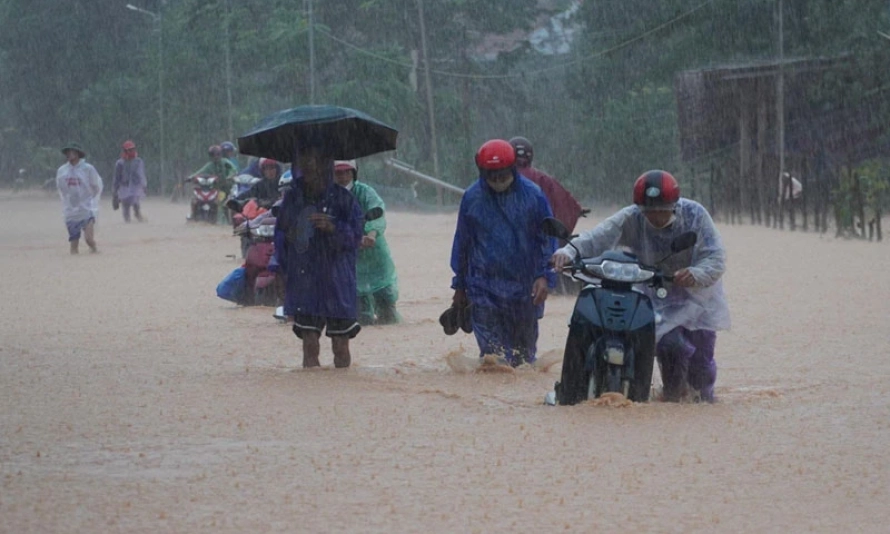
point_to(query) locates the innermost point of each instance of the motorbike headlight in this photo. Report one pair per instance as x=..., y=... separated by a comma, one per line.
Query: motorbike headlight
x=265, y=230
x=621, y=272
x=615, y=355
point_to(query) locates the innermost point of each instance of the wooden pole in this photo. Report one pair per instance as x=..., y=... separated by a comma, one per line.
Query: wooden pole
x=763, y=183
x=429, y=96
x=780, y=111
x=311, y=20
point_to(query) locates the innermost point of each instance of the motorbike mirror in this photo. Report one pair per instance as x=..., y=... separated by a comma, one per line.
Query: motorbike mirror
x=374, y=213
x=552, y=227
x=684, y=241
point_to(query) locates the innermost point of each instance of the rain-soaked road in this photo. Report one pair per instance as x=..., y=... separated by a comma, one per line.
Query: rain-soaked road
x=134, y=400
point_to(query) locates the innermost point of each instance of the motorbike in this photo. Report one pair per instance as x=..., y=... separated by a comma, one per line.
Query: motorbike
x=243, y=211
x=205, y=198
x=262, y=286
x=242, y=183
x=611, y=341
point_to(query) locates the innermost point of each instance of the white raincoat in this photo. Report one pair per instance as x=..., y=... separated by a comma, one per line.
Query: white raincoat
x=701, y=307
x=80, y=187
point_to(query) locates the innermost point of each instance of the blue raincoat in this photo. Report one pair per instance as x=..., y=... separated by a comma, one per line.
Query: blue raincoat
x=499, y=251
x=320, y=267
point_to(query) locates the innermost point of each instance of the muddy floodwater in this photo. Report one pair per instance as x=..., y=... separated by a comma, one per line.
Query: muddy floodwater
x=134, y=400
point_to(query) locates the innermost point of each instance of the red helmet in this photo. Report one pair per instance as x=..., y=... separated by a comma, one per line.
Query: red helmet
x=495, y=154
x=656, y=189
x=268, y=162
x=214, y=150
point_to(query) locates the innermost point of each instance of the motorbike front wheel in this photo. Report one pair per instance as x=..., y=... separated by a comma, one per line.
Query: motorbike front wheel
x=574, y=380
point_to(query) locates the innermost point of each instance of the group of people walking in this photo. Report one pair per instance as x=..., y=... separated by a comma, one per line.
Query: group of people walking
x=80, y=187
x=340, y=274
x=504, y=264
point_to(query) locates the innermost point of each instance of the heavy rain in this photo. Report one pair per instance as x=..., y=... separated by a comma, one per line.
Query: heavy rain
x=274, y=266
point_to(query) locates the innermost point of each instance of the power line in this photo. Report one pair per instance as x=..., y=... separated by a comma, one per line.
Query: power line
x=595, y=55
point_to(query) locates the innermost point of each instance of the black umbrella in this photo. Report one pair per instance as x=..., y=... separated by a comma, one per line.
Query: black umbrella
x=341, y=133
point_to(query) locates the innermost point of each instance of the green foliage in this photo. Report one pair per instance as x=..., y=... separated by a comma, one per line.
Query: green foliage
x=597, y=116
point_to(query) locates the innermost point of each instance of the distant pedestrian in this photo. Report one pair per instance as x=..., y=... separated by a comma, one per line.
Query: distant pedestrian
x=129, y=185
x=79, y=187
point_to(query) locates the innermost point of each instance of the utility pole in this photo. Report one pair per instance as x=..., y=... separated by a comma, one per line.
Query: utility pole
x=311, y=52
x=429, y=93
x=780, y=118
x=159, y=19
x=161, y=95
x=228, y=70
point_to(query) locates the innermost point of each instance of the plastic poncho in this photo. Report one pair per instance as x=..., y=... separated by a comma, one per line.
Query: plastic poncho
x=499, y=247
x=320, y=267
x=564, y=206
x=129, y=179
x=375, y=269
x=80, y=187
x=701, y=307
x=235, y=164
x=222, y=169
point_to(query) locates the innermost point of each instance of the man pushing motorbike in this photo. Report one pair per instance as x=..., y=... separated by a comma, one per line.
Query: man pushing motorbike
x=695, y=306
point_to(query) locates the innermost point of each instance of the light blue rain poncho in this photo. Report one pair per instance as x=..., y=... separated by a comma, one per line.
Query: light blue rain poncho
x=702, y=307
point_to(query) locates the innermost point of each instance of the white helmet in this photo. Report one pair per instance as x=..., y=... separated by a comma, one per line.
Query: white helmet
x=285, y=179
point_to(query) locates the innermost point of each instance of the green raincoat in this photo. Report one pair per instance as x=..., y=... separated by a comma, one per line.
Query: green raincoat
x=375, y=271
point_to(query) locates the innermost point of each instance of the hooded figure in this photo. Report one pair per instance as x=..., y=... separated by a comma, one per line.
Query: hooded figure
x=565, y=207
x=378, y=288
x=695, y=307
x=500, y=256
x=129, y=183
x=79, y=187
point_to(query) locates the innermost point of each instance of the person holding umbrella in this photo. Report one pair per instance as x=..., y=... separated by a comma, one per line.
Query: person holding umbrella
x=318, y=232
x=319, y=225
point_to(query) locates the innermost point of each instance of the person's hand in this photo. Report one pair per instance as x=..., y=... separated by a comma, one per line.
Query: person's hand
x=539, y=291
x=460, y=298
x=559, y=260
x=322, y=222
x=684, y=278
x=368, y=241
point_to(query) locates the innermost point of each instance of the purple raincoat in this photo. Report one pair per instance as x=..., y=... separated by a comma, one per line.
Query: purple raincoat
x=320, y=267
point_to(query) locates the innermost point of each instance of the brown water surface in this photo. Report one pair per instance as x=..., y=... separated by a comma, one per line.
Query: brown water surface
x=134, y=400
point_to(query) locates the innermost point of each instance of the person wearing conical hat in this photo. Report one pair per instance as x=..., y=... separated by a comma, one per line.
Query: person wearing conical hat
x=79, y=187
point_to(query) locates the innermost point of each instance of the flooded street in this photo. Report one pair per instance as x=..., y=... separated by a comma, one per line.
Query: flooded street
x=135, y=400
